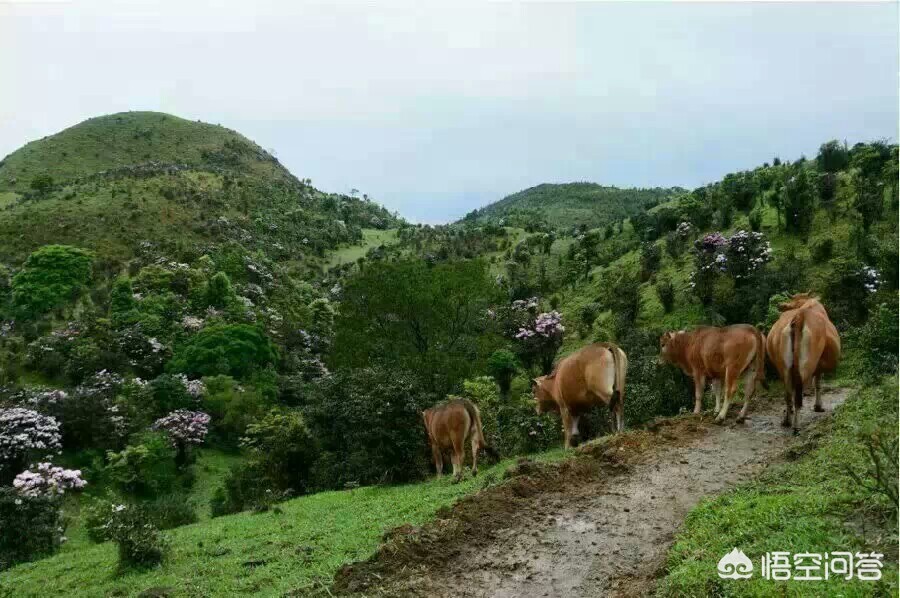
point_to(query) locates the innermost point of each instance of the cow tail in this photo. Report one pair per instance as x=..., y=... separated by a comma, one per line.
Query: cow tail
x=475, y=416
x=761, y=359
x=620, y=362
x=796, y=377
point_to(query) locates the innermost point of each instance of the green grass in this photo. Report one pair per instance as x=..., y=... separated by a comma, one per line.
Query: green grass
x=371, y=238
x=807, y=505
x=296, y=547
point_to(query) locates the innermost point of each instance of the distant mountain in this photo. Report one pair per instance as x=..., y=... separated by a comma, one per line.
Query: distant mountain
x=573, y=204
x=119, y=183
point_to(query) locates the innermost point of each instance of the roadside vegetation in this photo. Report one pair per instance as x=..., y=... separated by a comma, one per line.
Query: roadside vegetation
x=836, y=492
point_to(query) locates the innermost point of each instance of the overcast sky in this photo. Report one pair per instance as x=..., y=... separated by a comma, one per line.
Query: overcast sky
x=434, y=110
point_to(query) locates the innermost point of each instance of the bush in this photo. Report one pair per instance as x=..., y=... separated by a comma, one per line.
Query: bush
x=51, y=276
x=29, y=527
x=24, y=434
x=875, y=343
x=370, y=418
x=511, y=425
x=503, y=365
x=163, y=512
x=823, y=250
x=281, y=454
x=139, y=541
x=232, y=408
x=236, y=350
x=146, y=468
x=665, y=290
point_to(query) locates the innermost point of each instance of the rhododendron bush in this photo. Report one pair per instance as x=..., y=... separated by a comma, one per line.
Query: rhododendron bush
x=25, y=433
x=45, y=479
x=739, y=257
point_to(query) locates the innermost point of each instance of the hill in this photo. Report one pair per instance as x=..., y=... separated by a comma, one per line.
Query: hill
x=564, y=206
x=115, y=183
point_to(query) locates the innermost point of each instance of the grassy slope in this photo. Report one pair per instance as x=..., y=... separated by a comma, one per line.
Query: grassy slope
x=371, y=238
x=808, y=505
x=124, y=139
x=298, y=546
x=571, y=204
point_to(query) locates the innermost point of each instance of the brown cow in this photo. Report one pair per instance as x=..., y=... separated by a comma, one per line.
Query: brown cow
x=721, y=355
x=592, y=375
x=802, y=345
x=448, y=427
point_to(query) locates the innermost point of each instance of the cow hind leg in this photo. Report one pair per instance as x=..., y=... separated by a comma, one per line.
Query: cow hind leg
x=475, y=445
x=730, y=387
x=818, y=383
x=438, y=456
x=458, y=458
x=618, y=410
x=717, y=391
x=749, y=389
x=567, y=426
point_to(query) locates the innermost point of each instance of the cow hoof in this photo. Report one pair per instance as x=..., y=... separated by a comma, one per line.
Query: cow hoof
x=474, y=473
x=719, y=420
x=796, y=431
x=785, y=423
x=819, y=409
x=740, y=419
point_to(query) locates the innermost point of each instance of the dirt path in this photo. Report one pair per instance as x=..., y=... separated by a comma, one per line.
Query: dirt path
x=601, y=531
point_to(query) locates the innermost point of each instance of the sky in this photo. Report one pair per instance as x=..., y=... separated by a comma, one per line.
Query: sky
x=435, y=109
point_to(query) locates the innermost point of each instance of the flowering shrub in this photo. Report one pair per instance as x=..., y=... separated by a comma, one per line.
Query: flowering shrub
x=140, y=543
x=541, y=338
x=184, y=427
x=871, y=278
x=44, y=479
x=746, y=253
x=739, y=256
x=24, y=432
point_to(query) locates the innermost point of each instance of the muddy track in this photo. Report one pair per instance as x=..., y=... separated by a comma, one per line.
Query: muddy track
x=598, y=525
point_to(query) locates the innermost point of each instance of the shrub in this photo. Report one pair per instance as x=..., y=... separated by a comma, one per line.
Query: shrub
x=650, y=259
x=235, y=350
x=139, y=542
x=44, y=479
x=23, y=434
x=146, y=468
x=51, y=276
x=876, y=343
x=822, y=250
x=184, y=428
x=503, y=365
x=665, y=290
x=30, y=527
x=219, y=293
x=755, y=219
x=246, y=487
x=540, y=339
x=282, y=442
x=232, y=407
x=370, y=418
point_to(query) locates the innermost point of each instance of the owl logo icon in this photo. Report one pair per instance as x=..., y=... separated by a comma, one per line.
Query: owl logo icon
x=735, y=565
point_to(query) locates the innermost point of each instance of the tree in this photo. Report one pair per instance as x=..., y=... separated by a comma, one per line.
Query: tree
x=412, y=316
x=741, y=189
x=42, y=183
x=219, y=292
x=798, y=202
x=236, y=350
x=51, y=276
x=503, y=365
x=832, y=157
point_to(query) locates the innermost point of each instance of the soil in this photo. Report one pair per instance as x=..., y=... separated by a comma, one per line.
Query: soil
x=596, y=525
